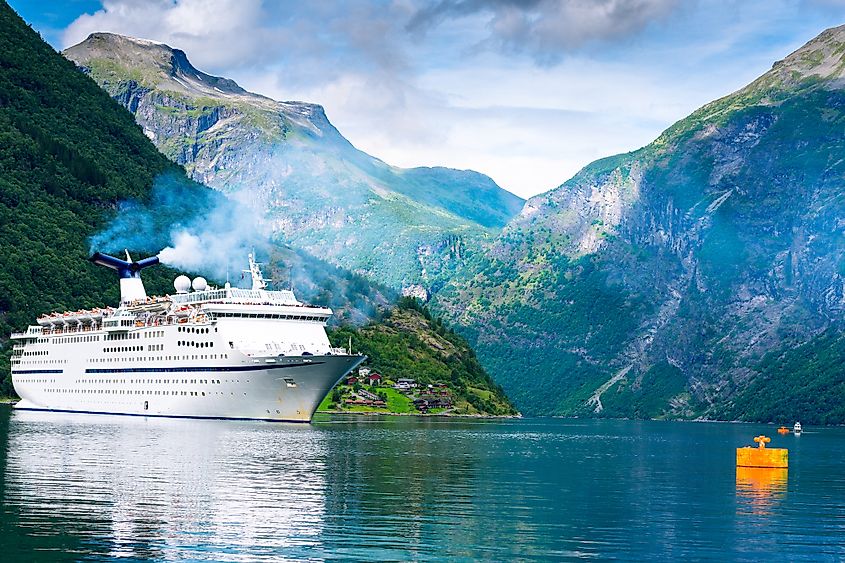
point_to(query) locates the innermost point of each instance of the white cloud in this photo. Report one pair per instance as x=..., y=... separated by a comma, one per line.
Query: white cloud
x=215, y=33
x=548, y=28
x=463, y=88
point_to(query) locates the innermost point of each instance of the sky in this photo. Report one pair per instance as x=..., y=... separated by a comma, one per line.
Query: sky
x=525, y=91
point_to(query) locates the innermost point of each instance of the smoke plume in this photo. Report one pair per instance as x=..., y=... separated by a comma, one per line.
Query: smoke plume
x=190, y=227
x=200, y=231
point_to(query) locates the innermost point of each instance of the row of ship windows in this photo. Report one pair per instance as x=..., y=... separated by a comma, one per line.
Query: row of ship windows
x=270, y=316
x=290, y=382
x=194, y=344
x=155, y=347
x=75, y=339
x=36, y=380
x=20, y=362
x=159, y=358
x=96, y=337
x=140, y=392
x=195, y=330
x=124, y=336
x=123, y=392
x=124, y=349
x=36, y=353
x=189, y=381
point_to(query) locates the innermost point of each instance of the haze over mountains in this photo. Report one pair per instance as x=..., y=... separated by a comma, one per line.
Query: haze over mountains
x=700, y=276
x=287, y=160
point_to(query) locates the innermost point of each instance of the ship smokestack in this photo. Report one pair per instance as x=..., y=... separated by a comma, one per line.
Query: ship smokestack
x=131, y=286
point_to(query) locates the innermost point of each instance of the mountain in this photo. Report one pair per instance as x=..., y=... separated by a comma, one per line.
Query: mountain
x=408, y=342
x=70, y=160
x=287, y=160
x=700, y=276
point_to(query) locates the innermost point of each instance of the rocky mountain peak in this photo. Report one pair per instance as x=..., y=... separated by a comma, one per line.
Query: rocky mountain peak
x=158, y=66
x=823, y=57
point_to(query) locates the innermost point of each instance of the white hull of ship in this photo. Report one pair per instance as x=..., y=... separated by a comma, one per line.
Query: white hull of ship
x=289, y=390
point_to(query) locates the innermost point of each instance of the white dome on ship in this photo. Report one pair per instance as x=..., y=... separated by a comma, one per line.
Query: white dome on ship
x=199, y=284
x=182, y=284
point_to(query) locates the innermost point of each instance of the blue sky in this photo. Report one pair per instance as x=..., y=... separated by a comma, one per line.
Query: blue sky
x=527, y=91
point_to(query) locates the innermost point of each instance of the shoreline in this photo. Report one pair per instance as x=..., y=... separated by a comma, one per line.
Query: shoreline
x=419, y=415
x=11, y=401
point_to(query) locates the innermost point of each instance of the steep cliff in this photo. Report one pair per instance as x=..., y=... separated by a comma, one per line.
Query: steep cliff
x=286, y=159
x=668, y=281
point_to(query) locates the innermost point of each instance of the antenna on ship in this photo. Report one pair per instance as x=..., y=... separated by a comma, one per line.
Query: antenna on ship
x=258, y=279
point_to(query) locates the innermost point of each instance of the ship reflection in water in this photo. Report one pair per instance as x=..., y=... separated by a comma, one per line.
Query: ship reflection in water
x=759, y=488
x=164, y=488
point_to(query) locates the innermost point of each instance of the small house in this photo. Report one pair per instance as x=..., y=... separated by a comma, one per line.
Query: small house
x=405, y=384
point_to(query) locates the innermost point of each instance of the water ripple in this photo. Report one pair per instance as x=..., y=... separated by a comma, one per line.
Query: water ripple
x=99, y=487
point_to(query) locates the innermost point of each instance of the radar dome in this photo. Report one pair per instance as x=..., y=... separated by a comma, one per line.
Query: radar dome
x=199, y=284
x=182, y=284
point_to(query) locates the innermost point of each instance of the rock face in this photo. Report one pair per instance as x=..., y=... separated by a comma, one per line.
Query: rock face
x=319, y=192
x=678, y=279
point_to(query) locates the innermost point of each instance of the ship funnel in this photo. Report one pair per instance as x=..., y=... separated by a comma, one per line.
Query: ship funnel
x=131, y=286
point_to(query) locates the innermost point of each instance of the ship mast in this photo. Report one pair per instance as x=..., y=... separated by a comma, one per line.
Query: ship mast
x=258, y=279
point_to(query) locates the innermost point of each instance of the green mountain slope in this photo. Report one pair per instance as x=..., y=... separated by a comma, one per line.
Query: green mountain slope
x=290, y=162
x=663, y=282
x=407, y=342
x=68, y=155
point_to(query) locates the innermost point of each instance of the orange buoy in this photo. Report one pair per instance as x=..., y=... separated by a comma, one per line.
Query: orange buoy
x=761, y=456
x=783, y=430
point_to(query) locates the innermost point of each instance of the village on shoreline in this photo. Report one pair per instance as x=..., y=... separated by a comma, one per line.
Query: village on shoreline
x=369, y=392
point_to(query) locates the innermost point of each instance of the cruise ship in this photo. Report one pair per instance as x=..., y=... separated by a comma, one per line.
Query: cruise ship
x=202, y=352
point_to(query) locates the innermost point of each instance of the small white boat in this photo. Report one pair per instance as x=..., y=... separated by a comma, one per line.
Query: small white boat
x=797, y=428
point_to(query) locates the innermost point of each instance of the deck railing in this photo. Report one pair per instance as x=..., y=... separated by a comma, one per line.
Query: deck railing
x=252, y=296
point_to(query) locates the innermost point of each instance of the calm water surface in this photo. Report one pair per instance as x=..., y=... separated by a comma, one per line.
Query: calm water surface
x=89, y=487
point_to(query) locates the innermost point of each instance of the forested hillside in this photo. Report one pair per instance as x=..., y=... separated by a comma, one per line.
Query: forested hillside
x=68, y=155
x=408, y=342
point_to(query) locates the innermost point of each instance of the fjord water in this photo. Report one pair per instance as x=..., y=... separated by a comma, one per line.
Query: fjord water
x=90, y=487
